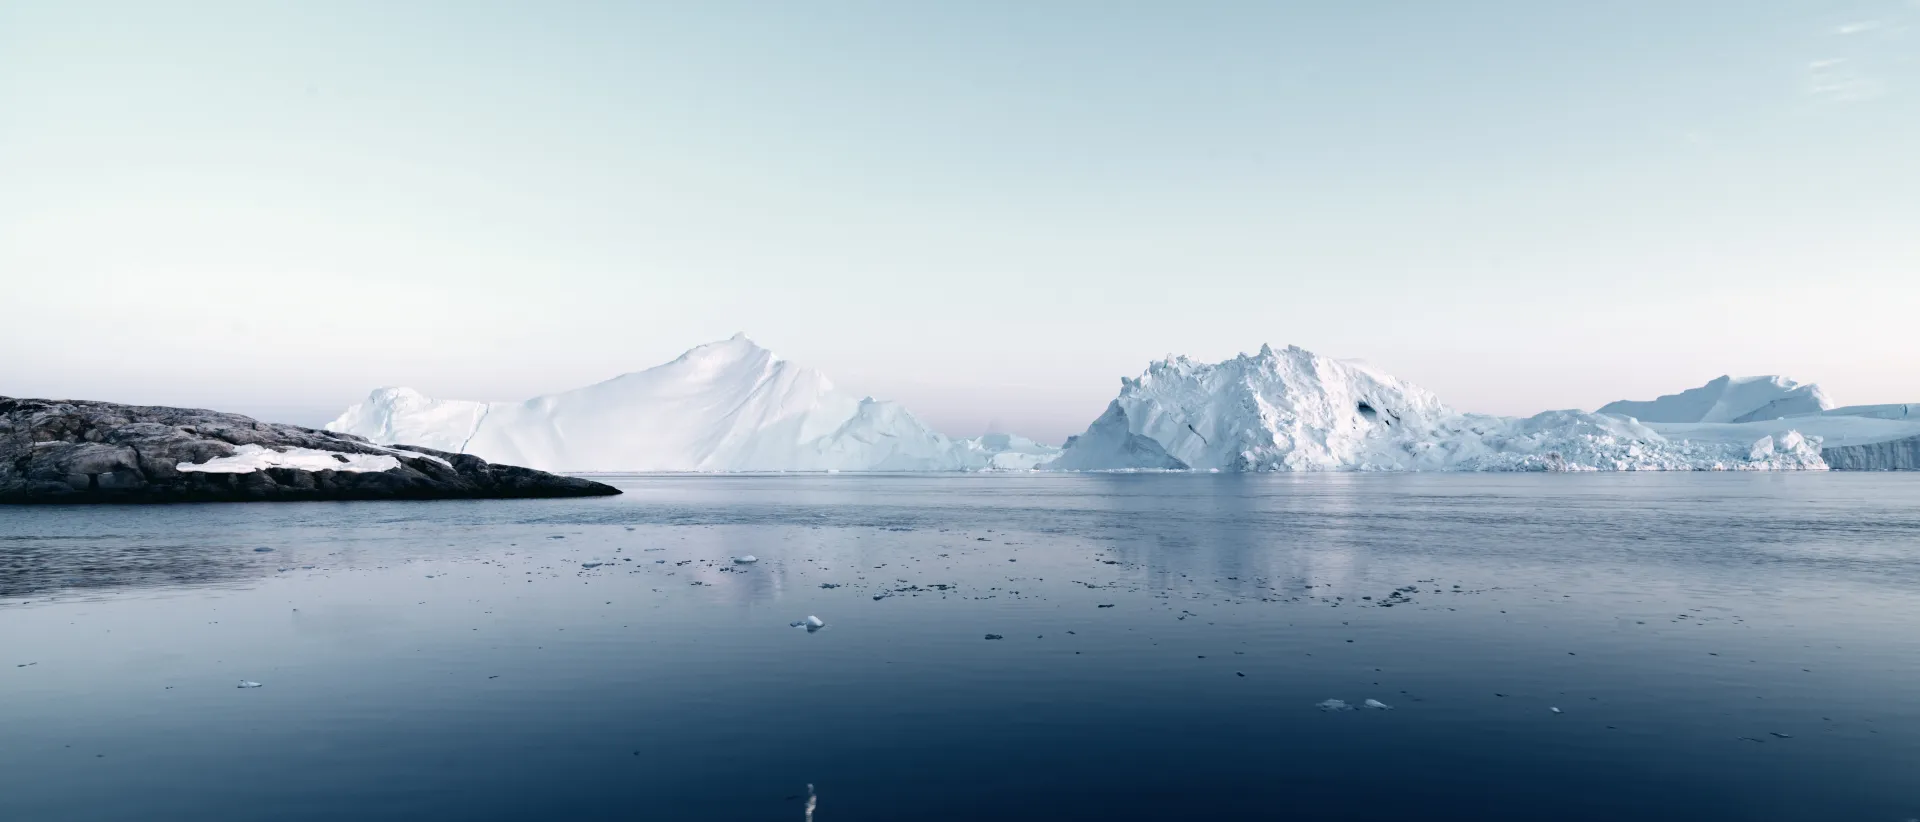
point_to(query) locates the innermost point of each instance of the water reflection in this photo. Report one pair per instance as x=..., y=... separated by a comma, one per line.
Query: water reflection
x=31, y=566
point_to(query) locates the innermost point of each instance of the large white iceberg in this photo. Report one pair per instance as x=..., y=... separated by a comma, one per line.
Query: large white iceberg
x=1728, y=399
x=1293, y=410
x=1750, y=409
x=724, y=406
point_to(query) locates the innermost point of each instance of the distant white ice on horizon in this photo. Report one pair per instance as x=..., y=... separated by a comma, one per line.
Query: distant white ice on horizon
x=734, y=406
x=725, y=406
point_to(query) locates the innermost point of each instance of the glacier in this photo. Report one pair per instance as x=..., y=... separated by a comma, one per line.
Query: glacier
x=725, y=406
x=1294, y=410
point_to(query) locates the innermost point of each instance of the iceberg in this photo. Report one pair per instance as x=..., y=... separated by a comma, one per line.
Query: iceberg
x=725, y=406
x=1766, y=411
x=1294, y=410
x=1727, y=399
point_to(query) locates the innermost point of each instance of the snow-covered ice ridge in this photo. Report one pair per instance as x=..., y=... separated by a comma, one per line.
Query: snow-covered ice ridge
x=1293, y=410
x=1738, y=409
x=724, y=406
x=1728, y=399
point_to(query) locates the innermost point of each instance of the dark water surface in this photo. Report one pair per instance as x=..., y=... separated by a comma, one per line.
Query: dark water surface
x=1740, y=647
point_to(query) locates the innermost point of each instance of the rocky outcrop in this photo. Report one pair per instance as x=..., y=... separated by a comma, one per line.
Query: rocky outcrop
x=75, y=451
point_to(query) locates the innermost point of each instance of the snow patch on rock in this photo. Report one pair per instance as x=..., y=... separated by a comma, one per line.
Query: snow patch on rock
x=247, y=459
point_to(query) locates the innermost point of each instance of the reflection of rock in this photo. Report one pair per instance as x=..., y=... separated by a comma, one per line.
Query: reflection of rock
x=79, y=451
x=32, y=565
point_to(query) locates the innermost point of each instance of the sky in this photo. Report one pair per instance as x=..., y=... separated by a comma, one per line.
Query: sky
x=989, y=211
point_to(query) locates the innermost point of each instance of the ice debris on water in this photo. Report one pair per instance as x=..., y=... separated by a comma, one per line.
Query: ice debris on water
x=746, y=560
x=248, y=683
x=1555, y=710
x=1377, y=705
x=1334, y=705
x=591, y=564
x=811, y=623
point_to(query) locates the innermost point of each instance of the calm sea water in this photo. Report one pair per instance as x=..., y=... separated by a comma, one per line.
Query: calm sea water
x=1738, y=647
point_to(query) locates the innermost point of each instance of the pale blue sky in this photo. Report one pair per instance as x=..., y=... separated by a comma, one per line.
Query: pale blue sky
x=989, y=211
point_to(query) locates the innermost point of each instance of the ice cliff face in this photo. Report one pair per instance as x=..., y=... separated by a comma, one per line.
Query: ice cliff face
x=725, y=406
x=1728, y=399
x=1293, y=410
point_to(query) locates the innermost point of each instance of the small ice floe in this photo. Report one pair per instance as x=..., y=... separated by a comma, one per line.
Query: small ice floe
x=1555, y=710
x=591, y=564
x=248, y=683
x=1377, y=705
x=811, y=623
x=746, y=560
x=1334, y=705
x=263, y=550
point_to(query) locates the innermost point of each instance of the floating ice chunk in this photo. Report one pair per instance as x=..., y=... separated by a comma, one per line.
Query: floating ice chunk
x=1377, y=705
x=814, y=622
x=811, y=623
x=248, y=683
x=746, y=560
x=591, y=564
x=1555, y=710
x=1334, y=705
